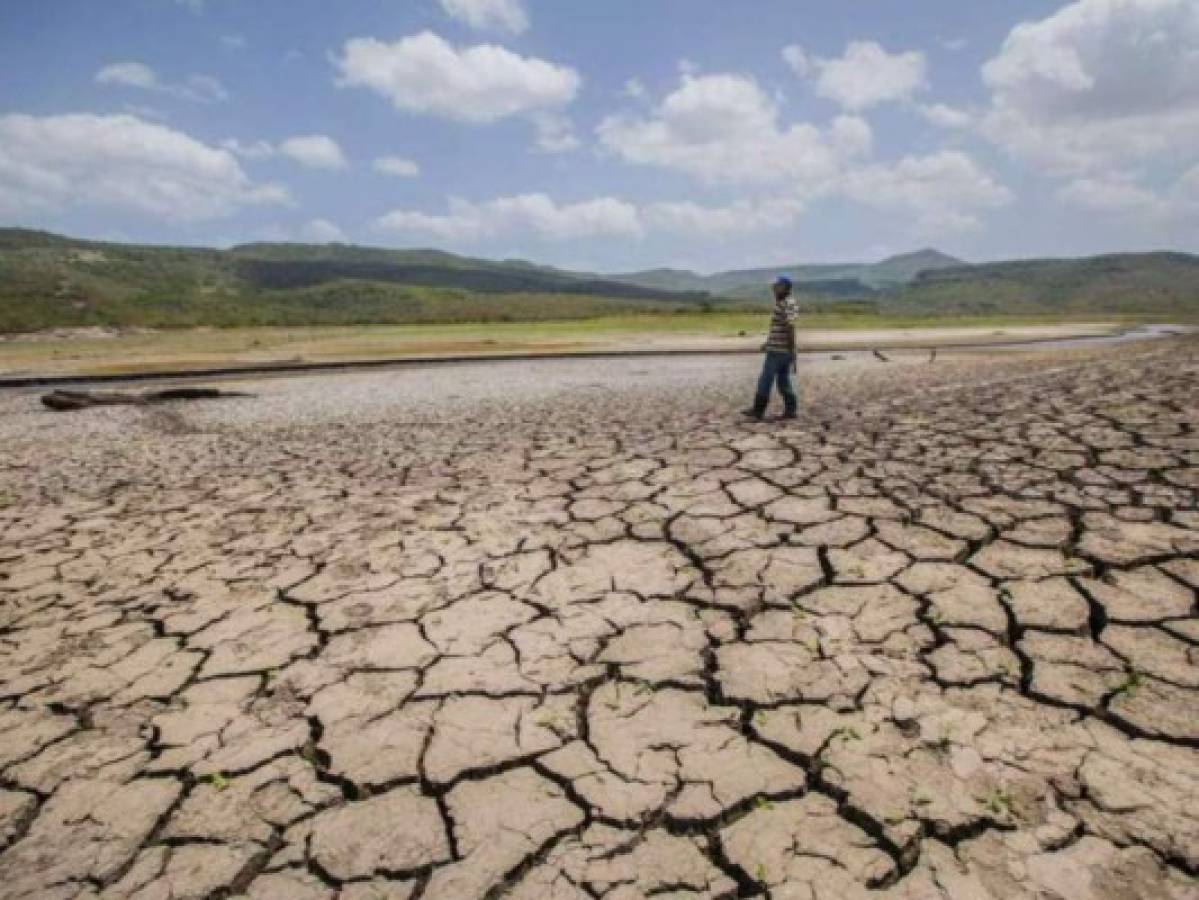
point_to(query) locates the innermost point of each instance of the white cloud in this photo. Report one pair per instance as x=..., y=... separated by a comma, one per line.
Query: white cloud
x=1097, y=85
x=635, y=89
x=742, y=217
x=131, y=74
x=316, y=151
x=425, y=74
x=120, y=162
x=1108, y=194
x=864, y=76
x=539, y=216
x=555, y=133
x=944, y=191
x=202, y=89
x=535, y=215
x=724, y=128
x=256, y=150
x=144, y=112
x=507, y=14
x=945, y=116
x=867, y=75
x=322, y=231
x=852, y=136
x=233, y=41
x=397, y=166
x=197, y=88
x=1121, y=196
x=1182, y=200
x=1185, y=193
x=795, y=57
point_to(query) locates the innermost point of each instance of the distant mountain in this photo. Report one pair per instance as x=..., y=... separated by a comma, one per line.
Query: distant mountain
x=290, y=266
x=666, y=280
x=835, y=280
x=1161, y=284
x=47, y=280
x=906, y=267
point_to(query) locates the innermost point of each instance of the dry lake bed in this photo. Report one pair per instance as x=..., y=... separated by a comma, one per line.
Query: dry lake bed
x=569, y=629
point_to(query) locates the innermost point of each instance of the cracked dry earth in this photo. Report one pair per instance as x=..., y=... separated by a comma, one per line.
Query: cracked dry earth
x=938, y=639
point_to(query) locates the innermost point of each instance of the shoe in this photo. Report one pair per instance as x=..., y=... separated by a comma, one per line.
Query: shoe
x=790, y=414
x=753, y=413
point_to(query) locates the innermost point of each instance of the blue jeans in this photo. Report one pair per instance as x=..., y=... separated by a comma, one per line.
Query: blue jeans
x=776, y=367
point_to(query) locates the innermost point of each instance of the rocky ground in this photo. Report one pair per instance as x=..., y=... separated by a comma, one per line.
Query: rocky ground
x=569, y=630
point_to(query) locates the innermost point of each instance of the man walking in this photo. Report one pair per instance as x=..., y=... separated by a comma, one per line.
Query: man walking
x=780, y=354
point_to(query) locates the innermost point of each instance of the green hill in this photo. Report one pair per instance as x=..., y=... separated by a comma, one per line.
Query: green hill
x=50, y=281
x=929, y=283
x=1158, y=284
x=848, y=279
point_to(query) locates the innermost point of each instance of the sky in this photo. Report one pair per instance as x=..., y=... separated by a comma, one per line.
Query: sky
x=608, y=136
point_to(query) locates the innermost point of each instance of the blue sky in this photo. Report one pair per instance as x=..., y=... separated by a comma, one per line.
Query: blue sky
x=617, y=135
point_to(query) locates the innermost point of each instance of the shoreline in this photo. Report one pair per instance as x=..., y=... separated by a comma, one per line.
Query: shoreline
x=1090, y=336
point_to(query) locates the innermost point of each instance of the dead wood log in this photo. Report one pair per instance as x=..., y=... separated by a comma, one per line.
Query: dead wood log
x=68, y=401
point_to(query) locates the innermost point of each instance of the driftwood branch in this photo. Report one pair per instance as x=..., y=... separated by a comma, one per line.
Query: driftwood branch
x=67, y=401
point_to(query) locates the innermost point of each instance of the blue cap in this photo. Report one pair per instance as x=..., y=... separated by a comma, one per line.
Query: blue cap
x=783, y=279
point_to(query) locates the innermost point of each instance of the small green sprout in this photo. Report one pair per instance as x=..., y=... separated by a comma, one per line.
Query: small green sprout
x=998, y=802
x=308, y=754
x=1129, y=685
x=847, y=734
x=218, y=781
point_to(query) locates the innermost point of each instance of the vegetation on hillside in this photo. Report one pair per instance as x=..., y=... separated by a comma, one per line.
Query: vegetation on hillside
x=47, y=281
x=838, y=280
x=1146, y=284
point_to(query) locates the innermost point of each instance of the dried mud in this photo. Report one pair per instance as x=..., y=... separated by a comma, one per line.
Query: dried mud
x=937, y=639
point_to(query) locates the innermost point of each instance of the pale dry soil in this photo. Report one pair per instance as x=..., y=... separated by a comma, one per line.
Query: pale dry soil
x=572, y=631
x=94, y=351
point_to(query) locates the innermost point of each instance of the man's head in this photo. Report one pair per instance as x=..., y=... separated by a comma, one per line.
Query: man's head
x=782, y=287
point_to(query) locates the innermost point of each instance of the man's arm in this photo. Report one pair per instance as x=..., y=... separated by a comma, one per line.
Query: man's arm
x=792, y=313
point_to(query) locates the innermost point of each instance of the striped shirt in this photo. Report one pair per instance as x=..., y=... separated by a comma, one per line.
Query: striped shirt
x=781, y=325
